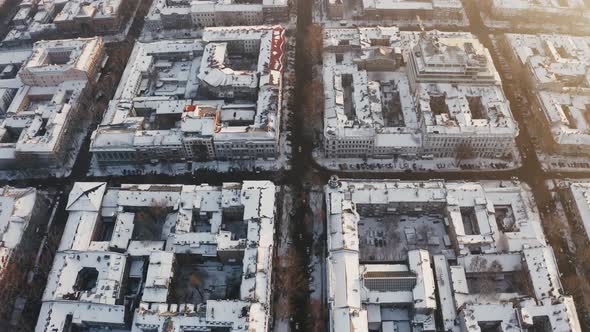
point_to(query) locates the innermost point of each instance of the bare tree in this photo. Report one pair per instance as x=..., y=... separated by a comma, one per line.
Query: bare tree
x=292, y=280
x=478, y=264
x=579, y=288
x=12, y=279
x=314, y=43
x=314, y=98
x=463, y=150
x=485, y=279
x=168, y=325
x=553, y=228
x=522, y=283
x=583, y=258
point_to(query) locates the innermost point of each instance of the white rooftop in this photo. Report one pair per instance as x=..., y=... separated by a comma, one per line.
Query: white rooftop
x=205, y=222
x=493, y=227
x=419, y=71
x=553, y=61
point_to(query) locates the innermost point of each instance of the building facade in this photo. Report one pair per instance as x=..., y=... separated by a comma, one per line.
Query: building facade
x=50, y=107
x=23, y=214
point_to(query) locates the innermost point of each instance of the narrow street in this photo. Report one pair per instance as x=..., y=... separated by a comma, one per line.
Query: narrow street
x=301, y=236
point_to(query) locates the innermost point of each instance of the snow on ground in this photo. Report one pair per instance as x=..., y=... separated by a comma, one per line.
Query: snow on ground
x=417, y=165
x=391, y=237
x=179, y=168
x=63, y=171
x=284, y=230
x=524, y=27
x=561, y=163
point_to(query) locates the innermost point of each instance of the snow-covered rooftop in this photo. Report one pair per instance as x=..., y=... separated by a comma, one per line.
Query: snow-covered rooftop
x=549, y=6
x=96, y=9
x=416, y=5
x=48, y=88
x=63, y=55
x=553, y=61
x=41, y=120
x=164, y=232
x=566, y=115
x=558, y=68
x=363, y=66
x=58, y=17
x=192, y=83
x=494, y=232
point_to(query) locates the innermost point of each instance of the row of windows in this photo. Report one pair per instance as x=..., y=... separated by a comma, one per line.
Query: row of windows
x=452, y=145
x=392, y=150
x=353, y=151
x=222, y=149
x=350, y=142
x=115, y=155
x=353, y=146
x=242, y=145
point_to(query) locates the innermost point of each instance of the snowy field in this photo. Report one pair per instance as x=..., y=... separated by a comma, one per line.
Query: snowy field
x=64, y=170
x=193, y=33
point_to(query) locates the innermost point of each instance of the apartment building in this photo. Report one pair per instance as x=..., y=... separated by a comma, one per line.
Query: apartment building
x=415, y=94
x=218, y=98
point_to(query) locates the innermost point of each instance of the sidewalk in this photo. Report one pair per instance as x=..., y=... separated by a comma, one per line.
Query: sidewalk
x=417, y=165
